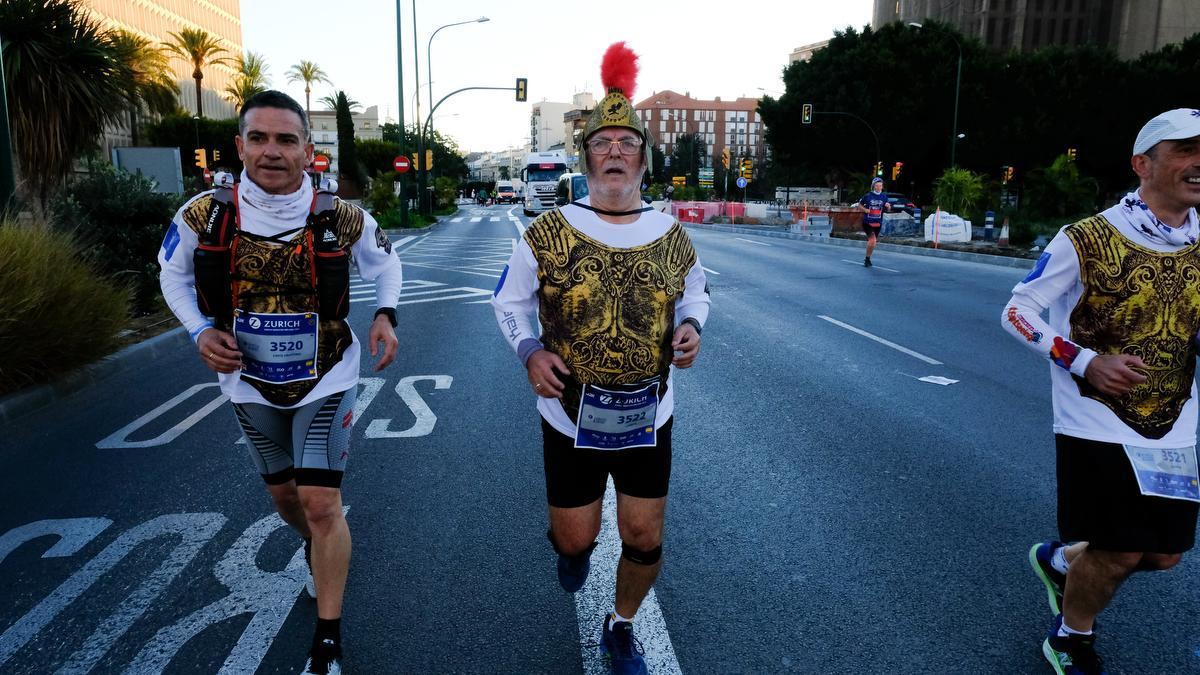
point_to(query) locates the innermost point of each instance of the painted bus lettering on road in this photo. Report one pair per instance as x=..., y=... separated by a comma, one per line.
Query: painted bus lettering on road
x=369, y=389
x=267, y=596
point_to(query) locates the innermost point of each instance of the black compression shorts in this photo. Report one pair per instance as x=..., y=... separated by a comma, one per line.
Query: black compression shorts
x=1099, y=502
x=578, y=476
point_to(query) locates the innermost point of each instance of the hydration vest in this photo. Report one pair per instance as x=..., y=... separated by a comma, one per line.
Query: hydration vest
x=215, y=258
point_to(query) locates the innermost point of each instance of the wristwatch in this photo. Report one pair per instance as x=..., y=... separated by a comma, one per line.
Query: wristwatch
x=389, y=312
x=695, y=324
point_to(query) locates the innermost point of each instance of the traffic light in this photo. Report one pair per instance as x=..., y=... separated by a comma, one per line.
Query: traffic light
x=1071, y=154
x=202, y=158
x=896, y=168
x=878, y=168
x=428, y=159
x=725, y=158
x=216, y=156
x=522, y=88
x=806, y=113
x=747, y=169
x=1007, y=176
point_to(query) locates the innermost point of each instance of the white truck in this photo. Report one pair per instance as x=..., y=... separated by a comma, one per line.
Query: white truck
x=540, y=176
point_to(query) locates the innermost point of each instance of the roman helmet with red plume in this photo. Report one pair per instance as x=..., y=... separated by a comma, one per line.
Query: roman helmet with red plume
x=618, y=73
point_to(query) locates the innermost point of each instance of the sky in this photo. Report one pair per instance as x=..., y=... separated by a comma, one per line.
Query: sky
x=705, y=48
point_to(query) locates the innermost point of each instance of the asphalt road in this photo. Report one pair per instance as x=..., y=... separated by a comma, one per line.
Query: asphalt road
x=830, y=511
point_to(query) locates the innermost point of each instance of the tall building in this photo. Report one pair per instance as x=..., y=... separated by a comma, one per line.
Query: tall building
x=546, y=126
x=1130, y=27
x=155, y=20
x=805, y=52
x=574, y=121
x=324, y=131
x=721, y=124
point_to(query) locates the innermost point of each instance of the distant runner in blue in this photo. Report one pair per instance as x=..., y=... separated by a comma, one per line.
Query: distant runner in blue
x=873, y=205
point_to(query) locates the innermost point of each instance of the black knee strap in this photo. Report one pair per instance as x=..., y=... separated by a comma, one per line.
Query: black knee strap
x=584, y=553
x=633, y=555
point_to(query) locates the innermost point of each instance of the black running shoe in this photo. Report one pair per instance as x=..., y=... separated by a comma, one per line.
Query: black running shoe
x=622, y=648
x=1072, y=654
x=867, y=261
x=325, y=658
x=1052, y=579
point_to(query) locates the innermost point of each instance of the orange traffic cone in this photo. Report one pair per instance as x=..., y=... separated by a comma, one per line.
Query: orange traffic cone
x=1003, y=241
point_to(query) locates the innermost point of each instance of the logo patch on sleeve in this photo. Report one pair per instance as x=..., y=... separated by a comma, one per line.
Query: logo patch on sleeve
x=382, y=241
x=171, y=240
x=1038, y=268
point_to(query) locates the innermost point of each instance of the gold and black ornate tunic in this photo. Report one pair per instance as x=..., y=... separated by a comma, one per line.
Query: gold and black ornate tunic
x=276, y=278
x=1141, y=302
x=608, y=312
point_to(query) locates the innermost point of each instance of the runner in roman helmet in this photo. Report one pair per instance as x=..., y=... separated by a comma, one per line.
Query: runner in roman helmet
x=620, y=297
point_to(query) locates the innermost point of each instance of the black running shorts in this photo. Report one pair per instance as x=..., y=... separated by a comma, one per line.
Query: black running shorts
x=578, y=476
x=1099, y=502
x=309, y=444
x=871, y=228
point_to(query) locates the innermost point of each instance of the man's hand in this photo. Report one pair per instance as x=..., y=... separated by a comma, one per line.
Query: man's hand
x=1115, y=374
x=544, y=366
x=686, y=343
x=219, y=350
x=381, y=331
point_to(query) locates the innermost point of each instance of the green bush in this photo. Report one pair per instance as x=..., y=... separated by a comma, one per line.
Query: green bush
x=56, y=311
x=445, y=190
x=118, y=222
x=959, y=191
x=381, y=198
x=1060, y=191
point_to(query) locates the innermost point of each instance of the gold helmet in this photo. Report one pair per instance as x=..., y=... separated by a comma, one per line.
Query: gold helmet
x=618, y=73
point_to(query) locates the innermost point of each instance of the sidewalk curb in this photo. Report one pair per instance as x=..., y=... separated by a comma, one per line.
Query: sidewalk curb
x=144, y=353
x=984, y=258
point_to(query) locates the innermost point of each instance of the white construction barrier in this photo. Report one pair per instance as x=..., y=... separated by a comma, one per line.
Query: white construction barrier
x=941, y=226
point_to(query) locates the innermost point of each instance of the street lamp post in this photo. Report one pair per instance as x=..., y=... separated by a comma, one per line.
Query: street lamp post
x=957, y=87
x=400, y=90
x=429, y=72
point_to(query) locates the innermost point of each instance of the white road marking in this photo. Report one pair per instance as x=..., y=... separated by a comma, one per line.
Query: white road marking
x=494, y=219
x=882, y=341
x=118, y=438
x=516, y=222
x=479, y=302
x=595, y=600
x=878, y=267
x=460, y=292
x=710, y=271
x=72, y=534
x=402, y=241
x=456, y=220
x=937, y=379
x=476, y=219
x=191, y=530
x=424, y=417
x=748, y=241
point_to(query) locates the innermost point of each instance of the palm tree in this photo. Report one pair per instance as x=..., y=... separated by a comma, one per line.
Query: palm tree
x=150, y=81
x=252, y=79
x=308, y=72
x=62, y=78
x=201, y=49
x=331, y=101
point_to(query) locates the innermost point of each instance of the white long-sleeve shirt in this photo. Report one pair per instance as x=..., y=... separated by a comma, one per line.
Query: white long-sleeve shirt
x=1055, y=285
x=516, y=298
x=372, y=255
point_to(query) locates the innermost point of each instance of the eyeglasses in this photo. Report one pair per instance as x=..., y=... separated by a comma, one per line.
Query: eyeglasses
x=603, y=146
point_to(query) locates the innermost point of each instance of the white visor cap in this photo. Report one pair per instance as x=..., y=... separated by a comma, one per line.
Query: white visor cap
x=1169, y=126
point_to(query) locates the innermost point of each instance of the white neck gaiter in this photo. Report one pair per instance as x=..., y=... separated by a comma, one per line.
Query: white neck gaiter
x=1138, y=214
x=275, y=212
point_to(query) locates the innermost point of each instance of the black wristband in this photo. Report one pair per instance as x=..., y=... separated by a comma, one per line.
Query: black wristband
x=389, y=312
x=695, y=324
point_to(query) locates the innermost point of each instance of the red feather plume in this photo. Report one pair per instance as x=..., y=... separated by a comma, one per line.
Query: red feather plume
x=618, y=69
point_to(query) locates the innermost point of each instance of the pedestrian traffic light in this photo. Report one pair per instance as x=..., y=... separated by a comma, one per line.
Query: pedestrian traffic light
x=806, y=113
x=216, y=156
x=202, y=158
x=878, y=168
x=896, y=168
x=725, y=158
x=1071, y=154
x=1008, y=175
x=522, y=87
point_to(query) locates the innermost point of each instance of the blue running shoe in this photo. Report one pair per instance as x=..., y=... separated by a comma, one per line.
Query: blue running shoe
x=1055, y=581
x=1072, y=654
x=572, y=569
x=622, y=648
